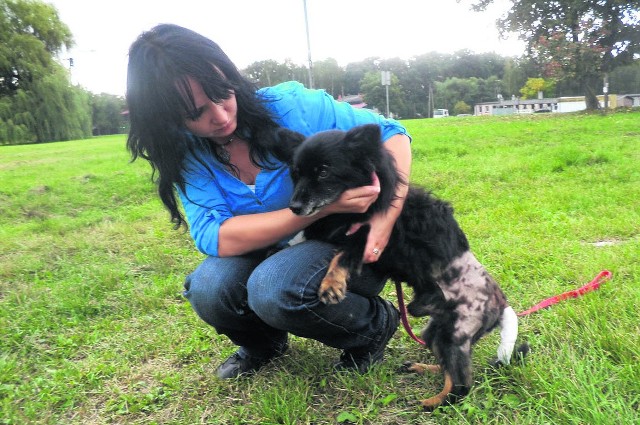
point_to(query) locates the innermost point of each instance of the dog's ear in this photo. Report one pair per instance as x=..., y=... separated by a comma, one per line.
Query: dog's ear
x=285, y=143
x=364, y=135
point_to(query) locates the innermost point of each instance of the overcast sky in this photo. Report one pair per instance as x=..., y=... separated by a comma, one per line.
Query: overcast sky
x=254, y=30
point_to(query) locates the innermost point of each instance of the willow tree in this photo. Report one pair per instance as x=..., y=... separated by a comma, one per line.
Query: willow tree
x=580, y=40
x=37, y=102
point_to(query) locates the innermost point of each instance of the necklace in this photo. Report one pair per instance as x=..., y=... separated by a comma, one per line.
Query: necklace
x=222, y=150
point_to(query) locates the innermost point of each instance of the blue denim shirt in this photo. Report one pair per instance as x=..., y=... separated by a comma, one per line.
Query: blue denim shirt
x=214, y=195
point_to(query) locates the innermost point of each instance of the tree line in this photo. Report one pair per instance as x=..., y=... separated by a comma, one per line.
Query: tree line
x=572, y=48
x=454, y=81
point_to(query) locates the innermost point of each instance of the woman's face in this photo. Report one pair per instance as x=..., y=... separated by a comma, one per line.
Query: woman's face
x=215, y=121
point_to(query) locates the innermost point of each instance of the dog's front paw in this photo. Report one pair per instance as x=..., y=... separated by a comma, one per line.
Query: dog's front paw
x=333, y=287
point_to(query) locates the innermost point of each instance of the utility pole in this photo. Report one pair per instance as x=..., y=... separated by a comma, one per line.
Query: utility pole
x=605, y=91
x=306, y=23
x=430, y=102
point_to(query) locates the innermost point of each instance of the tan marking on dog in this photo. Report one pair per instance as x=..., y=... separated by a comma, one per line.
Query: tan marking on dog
x=421, y=368
x=333, y=287
x=437, y=400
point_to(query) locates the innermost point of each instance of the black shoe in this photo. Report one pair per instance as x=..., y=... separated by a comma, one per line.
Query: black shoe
x=242, y=363
x=362, y=358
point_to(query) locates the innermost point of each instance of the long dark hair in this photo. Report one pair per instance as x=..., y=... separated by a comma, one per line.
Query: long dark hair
x=159, y=99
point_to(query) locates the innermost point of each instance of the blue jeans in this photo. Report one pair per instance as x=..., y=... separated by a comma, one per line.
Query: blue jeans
x=257, y=301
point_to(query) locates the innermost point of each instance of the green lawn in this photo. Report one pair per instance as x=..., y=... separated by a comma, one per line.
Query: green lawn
x=93, y=327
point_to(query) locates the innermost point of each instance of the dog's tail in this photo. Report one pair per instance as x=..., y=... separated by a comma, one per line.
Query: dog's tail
x=508, y=337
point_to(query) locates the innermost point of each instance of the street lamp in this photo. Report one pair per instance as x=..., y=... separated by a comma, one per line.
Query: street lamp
x=306, y=23
x=386, y=82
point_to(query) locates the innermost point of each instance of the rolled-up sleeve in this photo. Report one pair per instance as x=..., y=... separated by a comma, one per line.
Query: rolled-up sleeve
x=205, y=209
x=212, y=195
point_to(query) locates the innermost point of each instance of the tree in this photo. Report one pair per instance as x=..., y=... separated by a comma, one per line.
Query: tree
x=107, y=114
x=467, y=64
x=626, y=79
x=461, y=108
x=60, y=112
x=580, y=40
x=375, y=93
x=514, y=76
x=355, y=73
x=415, y=86
x=267, y=73
x=454, y=90
x=400, y=69
x=328, y=75
x=30, y=34
x=533, y=86
x=37, y=102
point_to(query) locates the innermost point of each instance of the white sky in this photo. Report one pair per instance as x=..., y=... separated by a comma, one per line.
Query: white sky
x=254, y=30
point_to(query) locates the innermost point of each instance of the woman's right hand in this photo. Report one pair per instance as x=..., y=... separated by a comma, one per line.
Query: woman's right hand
x=356, y=200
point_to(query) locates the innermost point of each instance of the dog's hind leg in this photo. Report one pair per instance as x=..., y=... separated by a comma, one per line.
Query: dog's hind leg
x=435, y=401
x=421, y=368
x=456, y=364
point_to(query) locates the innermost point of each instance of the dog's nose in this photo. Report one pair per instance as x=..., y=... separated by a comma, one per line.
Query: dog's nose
x=296, y=207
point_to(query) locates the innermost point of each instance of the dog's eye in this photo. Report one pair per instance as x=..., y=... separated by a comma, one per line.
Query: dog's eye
x=323, y=173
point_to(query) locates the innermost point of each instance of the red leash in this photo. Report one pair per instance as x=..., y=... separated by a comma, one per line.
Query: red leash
x=591, y=286
x=403, y=314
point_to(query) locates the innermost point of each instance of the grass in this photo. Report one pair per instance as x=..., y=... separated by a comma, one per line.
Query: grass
x=94, y=329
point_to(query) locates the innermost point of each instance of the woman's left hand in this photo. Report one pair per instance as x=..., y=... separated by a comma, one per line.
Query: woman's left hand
x=379, y=234
x=383, y=222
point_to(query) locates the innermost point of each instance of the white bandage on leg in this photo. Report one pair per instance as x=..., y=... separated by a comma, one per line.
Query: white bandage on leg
x=508, y=335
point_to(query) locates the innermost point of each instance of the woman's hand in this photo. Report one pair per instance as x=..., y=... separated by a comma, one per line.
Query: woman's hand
x=380, y=228
x=356, y=200
x=383, y=222
x=379, y=234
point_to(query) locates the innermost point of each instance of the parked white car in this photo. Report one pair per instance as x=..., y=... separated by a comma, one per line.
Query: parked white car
x=440, y=113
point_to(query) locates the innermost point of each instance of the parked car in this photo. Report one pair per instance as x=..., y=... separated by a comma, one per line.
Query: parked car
x=440, y=113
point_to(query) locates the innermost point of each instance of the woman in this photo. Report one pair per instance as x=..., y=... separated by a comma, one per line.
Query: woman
x=206, y=131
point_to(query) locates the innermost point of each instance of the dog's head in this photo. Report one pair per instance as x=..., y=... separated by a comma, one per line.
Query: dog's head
x=328, y=163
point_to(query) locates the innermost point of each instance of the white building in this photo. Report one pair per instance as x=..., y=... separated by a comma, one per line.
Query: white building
x=629, y=100
x=516, y=106
x=560, y=104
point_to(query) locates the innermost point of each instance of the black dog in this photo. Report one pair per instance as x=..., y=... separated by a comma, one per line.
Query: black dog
x=427, y=250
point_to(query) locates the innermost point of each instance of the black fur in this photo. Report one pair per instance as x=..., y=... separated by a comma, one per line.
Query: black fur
x=427, y=248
